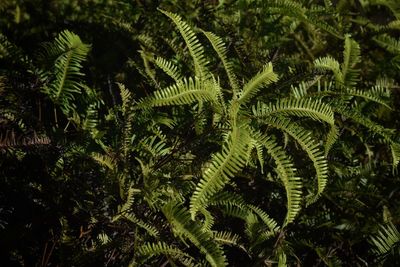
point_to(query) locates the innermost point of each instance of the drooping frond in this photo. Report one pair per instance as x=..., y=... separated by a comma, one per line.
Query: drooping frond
x=331, y=139
x=287, y=173
x=395, y=148
x=351, y=57
x=227, y=238
x=372, y=95
x=329, y=63
x=223, y=166
x=184, y=92
x=219, y=46
x=309, y=145
x=65, y=82
x=208, y=221
x=183, y=226
x=314, y=109
x=250, y=89
x=169, y=68
x=196, y=50
x=161, y=248
x=386, y=240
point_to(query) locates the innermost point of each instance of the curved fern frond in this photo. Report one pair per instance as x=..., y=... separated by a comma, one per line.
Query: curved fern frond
x=386, y=240
x=184, y=92
x=314, y=109
x=351, y=57
x=329, y=63
x=65, y=83
x=331, y=139
x=169, y=68
x=179, y=218
x=223, y=166
x=287, y=174
x=150, y=250
x=196, y=50
x=309, y=145
x=389, y=43
x=219, y=46
x=227, y=238
x=250, y=89
x=395, y=148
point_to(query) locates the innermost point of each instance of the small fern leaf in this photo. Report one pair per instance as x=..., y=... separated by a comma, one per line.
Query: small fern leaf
x=387, y=239
x=329, y=63
x=389, y=43
x=331, y=139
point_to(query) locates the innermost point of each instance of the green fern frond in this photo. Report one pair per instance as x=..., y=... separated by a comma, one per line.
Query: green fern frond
x=208, y=221
x=314, y=109
x=227, y=238
x=395, y=148
x=329, y=63
x=224, y=165
x=287, y=174
x=196, y=50
x=351, y=57
x=386, y=240
x=179, y=218
x=271, y=223
x=104, y=160
x=309, y=145
x=184, y=92
x=331, y=139
x=169, y=68
x=65, y=83
x=389, y=43
x=161, y=248
x=126, y=97
x=219, y=46
x=372, y=94
x=250, y=89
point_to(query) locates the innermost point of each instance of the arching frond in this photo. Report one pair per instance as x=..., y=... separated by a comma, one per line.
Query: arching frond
x=250, y=89
x=184, y=92
x=219, y=46
x=195, y=48
x=287, y=174
x=227, y=238
x=309, y=145
x=389, y=43
x=314, y=109
x=223, y=166
x=329, y=63
x=331, y=138
x=179, y=218
x=161, y=248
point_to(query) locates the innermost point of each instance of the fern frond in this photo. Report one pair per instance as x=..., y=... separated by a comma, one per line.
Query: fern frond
x=351, y=57
x=65, y=83
x=395, y=148
x=287, y=174
x=372, y=94
x=331, y=139
x=387, y=239
x=329, y=63
x=126, y=97
x=104, y=160
x=250, y=89
x=389, y=43
x=169, y=68
x=208, y=221
x=219, y=46
x=224, y=165
x=184, y=92
x=179, y=218
x=309, y=145
x=227, y=238
x=161, y=248
x=314, y=109
x=196, y=50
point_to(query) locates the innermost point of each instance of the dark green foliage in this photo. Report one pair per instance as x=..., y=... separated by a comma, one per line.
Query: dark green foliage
x=199, y=133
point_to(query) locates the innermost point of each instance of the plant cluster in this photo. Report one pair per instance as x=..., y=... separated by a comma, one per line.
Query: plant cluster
x=199, y=133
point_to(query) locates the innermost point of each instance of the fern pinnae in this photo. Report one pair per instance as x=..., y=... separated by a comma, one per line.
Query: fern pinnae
x=169, y=68
x=182, y=224
x=309, y=145
x=224, y=165
x=196, y=50
x=219, y=46
x=315, y=109
x=287, y=174
x=351, y=57
x=265, y=77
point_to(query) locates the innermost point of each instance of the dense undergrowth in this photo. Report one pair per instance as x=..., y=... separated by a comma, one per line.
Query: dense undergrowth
x=199, y=133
